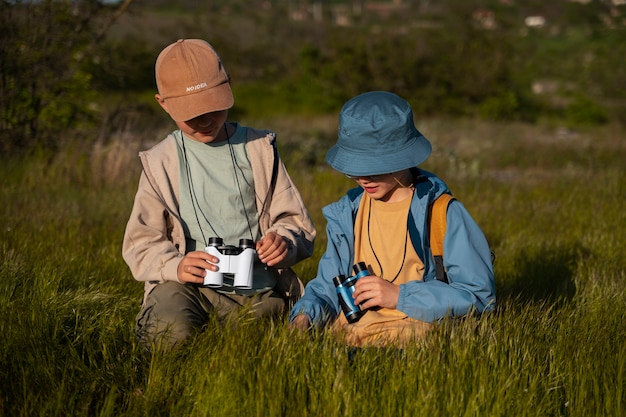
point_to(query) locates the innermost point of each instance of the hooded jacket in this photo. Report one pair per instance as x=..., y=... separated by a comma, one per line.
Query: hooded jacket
x=154, y=240
x=467, y=261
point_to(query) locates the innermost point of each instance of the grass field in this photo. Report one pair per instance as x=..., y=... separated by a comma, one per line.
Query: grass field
x=551, y=202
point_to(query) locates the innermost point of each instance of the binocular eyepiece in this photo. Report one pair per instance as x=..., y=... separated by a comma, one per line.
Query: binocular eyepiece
x=345, y=292
x=218, y=243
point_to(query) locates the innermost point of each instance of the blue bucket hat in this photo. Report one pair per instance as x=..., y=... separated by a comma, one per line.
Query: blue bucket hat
x=377, y=135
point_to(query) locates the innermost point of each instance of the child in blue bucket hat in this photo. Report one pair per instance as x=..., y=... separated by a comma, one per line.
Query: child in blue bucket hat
x=384, y=224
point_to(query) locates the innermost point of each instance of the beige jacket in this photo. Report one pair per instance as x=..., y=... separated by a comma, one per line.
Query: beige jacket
x=154, y=241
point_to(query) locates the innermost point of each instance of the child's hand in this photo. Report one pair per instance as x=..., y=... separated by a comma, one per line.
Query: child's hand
x=372, y=291
x=272, y=249
x=192, y=267
x=301, y=322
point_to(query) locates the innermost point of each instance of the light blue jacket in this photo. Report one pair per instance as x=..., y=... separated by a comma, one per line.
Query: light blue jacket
x=467, y=259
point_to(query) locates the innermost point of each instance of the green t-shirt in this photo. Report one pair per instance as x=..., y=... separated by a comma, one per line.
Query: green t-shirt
x=217, y=198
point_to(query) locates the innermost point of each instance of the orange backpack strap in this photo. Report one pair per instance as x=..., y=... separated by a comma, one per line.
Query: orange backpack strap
x=437, y=223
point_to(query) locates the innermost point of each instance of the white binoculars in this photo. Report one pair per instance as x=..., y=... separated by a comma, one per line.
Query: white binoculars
x=232, y=260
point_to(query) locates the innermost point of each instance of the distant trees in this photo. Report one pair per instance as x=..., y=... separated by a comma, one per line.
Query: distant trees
x=58, y=69
x=452, y=67
x=44, y=87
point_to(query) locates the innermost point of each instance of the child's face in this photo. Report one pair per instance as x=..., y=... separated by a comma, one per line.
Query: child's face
x=206, y=128
x=387, y=187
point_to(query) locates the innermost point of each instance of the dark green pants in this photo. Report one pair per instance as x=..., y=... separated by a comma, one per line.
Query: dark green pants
x=173, y=312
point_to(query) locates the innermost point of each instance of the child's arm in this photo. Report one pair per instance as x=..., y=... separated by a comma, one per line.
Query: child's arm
x=150, y=253
x=467, y=259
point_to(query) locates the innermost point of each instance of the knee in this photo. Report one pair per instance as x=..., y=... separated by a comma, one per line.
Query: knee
x=169, y=317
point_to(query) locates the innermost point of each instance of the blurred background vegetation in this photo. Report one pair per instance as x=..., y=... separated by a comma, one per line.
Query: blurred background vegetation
x=523, y=100
x=84, y=68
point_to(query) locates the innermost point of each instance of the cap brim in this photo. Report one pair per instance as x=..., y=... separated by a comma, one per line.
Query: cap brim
x=190, y=106
x=369, y=163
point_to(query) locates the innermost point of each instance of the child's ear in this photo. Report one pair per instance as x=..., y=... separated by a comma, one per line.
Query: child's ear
x=161, y=101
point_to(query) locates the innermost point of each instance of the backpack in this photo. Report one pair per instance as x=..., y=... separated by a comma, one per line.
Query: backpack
x=437, y=224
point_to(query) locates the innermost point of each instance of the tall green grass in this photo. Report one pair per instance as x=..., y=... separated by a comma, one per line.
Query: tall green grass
x=550, y=202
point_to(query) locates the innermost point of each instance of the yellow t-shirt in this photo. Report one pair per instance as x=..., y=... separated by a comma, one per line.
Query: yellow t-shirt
x=382, y=241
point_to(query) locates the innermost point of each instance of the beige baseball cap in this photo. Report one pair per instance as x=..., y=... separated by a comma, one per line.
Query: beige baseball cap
x=192, y=80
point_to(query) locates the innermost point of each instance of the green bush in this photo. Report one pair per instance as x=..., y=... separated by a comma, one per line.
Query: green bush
x=584, y=111
x=44, y=90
